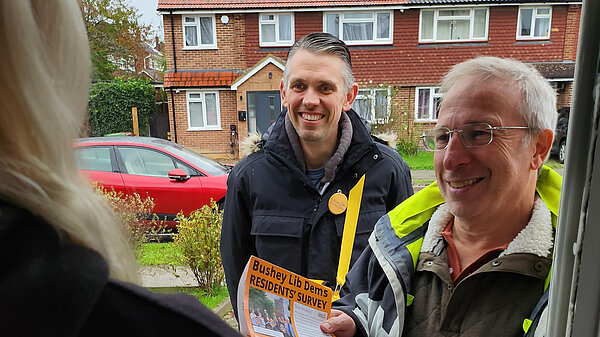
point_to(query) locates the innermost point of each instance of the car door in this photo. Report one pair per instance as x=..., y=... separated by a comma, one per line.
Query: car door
x=145, y=171
x=98, y=164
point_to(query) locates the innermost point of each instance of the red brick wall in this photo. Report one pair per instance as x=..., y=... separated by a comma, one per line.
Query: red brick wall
x=230, y=43
x=572, y=32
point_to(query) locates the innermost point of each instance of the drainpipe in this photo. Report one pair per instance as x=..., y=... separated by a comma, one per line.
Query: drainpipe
x=175, y=70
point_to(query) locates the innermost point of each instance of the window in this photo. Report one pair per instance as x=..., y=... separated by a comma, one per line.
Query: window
x=199, y=32
x=276, y=29
x=446, y=25
x=427, y=104
x=373, y=105
x=94, y=158
x=360, y=27
x=203, y=111
x=534, y=23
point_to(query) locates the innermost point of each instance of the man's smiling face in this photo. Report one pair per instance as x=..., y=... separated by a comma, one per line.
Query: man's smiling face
x=315, y=96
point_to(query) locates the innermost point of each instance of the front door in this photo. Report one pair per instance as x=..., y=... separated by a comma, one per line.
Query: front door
x=263, y=109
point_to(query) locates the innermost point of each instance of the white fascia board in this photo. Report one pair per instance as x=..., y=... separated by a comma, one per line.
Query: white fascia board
x=256, y=69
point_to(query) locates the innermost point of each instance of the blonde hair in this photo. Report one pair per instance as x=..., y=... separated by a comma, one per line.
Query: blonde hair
x=45, y=74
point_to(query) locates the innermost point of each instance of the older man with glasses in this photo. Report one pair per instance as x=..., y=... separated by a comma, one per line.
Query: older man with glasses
x=470, y=254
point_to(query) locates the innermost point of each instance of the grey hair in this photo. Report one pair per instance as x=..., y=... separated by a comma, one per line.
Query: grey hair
x=323, y=43
x=538, y=107
x=45, y=75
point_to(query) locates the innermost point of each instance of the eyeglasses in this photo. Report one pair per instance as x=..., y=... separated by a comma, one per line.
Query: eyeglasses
x=472, y=135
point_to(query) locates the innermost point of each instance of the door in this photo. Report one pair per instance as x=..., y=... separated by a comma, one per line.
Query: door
x=263, y=109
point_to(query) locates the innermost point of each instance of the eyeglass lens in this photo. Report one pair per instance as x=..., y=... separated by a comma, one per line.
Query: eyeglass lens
x=476, y=134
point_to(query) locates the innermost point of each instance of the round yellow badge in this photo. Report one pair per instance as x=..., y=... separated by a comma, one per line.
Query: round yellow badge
x=338, y=203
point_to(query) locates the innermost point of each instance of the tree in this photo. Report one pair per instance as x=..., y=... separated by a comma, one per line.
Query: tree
x=116, y=36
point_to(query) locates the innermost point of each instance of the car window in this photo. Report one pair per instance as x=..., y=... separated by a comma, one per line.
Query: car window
x=146, y=162
x=188, y=169
x=207, y=165
x=94, y=158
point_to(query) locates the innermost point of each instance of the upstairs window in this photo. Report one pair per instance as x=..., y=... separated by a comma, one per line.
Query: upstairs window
x=450, y=25
x=373, y=105
x=427, y=104
x=199, y=32
x=534, y=22
x=203, y=111
x=276, y=29
x=355, y=28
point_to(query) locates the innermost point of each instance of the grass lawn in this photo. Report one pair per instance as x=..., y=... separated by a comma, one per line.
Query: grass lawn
x=209, y=300
x=156, y=254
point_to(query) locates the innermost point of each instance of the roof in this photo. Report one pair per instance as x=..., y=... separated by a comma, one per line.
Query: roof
x=269, y=59
x=202, y=78
x=247, y=4
x=165, y=5
x=556, y=70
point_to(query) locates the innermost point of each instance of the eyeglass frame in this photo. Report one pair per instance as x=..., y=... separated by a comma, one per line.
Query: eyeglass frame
x=459, y=131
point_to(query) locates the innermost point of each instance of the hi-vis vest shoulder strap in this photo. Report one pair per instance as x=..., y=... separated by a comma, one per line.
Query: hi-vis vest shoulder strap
x=415, y=211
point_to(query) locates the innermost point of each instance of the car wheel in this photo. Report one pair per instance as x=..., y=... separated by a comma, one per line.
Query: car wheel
x=562, y=152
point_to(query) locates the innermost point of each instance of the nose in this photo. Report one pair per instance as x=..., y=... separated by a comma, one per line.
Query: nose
x=456, y=153
x=311, y=97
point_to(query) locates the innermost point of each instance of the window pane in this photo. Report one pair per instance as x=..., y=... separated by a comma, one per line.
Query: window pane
x=268, y=17
x=427, y=25
x=464, y=12
x=479, y=24
x=358, y=31
x=461, y=29
x=381, y=105
x=191, y=36
x=358, y=16
x=93, y=158
x=187, y=19
x=383, y=25
x=526, y=22
x=251, y=112
x=285, y=27
x=543, y=11
x=361, y=106
x=211, y=109
x=206, y=31
x=436, y=107
x=196, y=96
x=542, y=27
x=332, y=24
x=146, y=162
x=423, y=104
x=268, y=33
x=196, y=118
x=444, y=30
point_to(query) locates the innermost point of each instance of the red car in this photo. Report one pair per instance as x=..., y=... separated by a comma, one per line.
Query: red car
x=178, y=179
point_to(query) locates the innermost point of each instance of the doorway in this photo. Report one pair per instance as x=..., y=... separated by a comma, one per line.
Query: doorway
x=263, y=109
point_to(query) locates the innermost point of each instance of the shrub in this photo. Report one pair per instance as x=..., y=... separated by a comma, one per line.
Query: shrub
x=407, y=147
x=135, y=213
x=198, y=240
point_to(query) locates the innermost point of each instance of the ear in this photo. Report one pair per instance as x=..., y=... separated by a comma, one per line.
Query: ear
x=283, y=94
x=543, y=143
x=350, y=97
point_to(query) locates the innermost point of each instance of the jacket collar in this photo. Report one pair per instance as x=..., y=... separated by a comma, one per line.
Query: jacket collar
x=536, y=238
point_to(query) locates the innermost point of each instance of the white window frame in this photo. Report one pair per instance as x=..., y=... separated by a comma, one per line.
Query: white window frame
x=534, y=17
x=198, y=33
x=371, y=96
x=278, y=41
x=189, y=99
x=432, y=95
x=470, y=17
x=342, y=20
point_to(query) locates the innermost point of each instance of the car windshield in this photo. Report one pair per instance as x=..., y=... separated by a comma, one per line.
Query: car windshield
x=208, y=165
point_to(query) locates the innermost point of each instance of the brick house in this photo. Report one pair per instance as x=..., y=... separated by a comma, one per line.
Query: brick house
x=225, y=58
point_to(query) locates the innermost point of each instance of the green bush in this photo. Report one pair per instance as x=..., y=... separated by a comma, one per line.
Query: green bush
x=135, y=213
x=407, y=147
x=198, y=240
x=111, y=103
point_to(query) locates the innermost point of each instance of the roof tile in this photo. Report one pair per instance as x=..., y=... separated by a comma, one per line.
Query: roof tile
x=213, y=78
x=246, y=4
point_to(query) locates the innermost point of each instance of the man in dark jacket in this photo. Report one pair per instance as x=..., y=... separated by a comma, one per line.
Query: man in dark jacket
x=278, y=203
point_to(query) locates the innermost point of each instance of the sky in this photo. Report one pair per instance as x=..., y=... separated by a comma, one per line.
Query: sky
x=147, y=8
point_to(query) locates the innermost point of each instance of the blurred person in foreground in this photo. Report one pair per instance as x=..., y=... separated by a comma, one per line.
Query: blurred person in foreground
x=64, y=260
x=280, y=199
x=469, y=255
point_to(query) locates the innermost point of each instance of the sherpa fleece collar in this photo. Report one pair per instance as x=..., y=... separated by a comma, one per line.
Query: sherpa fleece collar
x=536, y=238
